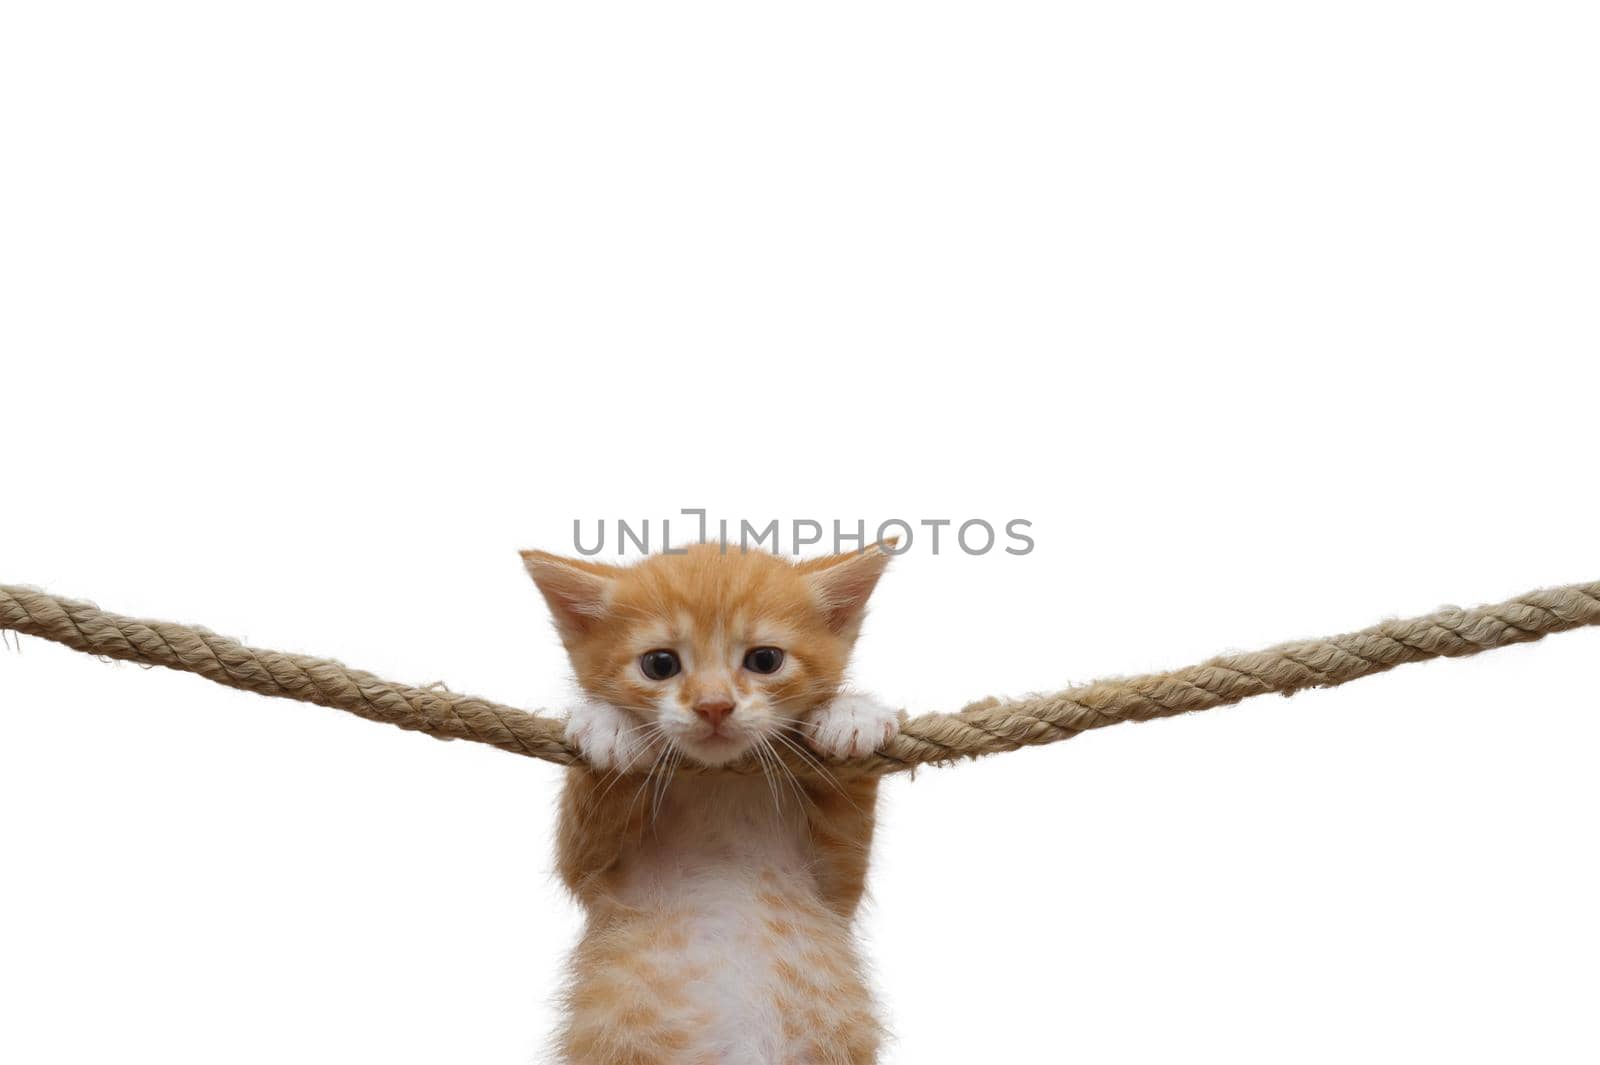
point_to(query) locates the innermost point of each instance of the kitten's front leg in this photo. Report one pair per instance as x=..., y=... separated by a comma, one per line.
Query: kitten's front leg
x=842, y=812
x=597, y=817
x=611, y=740
x=852, y=726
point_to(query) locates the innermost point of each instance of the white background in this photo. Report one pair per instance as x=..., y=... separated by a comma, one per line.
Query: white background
x=1274, y=319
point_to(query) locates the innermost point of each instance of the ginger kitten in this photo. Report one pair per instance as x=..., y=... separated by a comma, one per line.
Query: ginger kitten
x=719, y=906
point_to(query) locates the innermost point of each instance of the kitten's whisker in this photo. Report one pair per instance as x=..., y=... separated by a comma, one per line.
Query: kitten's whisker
x=798, y=747
x=608, y=780
x=621, y=771
x=767, y=772
x=675, y=756
x=655, y=789
x=787, y=775
x=643, y=784
x=799, y=788
x=785, y=779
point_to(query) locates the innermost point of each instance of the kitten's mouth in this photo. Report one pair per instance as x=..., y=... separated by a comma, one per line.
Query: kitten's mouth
x=716, y=748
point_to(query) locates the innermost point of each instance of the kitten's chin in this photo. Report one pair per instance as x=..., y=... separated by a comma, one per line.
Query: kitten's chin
x=714, y=751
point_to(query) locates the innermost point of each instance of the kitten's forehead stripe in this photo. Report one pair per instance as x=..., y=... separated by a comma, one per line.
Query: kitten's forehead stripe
x=655, y=634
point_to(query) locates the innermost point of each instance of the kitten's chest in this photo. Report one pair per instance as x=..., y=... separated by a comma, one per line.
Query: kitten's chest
x=714, y=940
x=730, y=832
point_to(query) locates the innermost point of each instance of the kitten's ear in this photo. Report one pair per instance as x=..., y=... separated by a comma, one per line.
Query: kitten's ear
x=842, y=584
x=576, y=591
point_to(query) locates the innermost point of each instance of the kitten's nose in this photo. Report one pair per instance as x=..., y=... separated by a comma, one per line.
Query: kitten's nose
x=715, y=711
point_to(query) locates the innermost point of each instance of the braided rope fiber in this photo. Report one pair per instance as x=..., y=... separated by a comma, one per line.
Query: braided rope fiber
x=986, y=727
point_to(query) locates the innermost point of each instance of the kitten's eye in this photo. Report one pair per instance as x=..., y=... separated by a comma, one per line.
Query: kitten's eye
x=763, y=660
x=659, y=665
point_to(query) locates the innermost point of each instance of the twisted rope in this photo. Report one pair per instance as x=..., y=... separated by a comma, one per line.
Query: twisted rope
x=986, y=727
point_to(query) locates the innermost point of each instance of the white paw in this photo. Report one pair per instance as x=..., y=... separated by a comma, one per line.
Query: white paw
x=610, y=739
x=852, y=726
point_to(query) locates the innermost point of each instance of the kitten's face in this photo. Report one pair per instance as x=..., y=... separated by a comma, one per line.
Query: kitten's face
x=717, y=651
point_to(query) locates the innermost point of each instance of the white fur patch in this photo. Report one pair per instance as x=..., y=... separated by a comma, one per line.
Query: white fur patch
x=702, y=859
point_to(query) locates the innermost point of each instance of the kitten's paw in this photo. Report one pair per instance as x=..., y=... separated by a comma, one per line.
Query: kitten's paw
x=852, y=726
x=609, y=739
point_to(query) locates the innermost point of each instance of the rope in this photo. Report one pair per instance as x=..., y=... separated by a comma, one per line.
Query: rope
x=986, y=727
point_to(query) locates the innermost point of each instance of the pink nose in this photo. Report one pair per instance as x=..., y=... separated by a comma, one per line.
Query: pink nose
x=715, y=711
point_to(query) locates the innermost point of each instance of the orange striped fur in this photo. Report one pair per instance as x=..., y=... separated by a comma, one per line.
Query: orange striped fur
x=719, y=908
